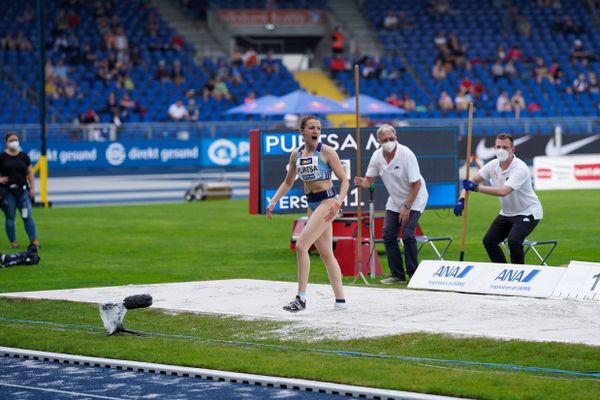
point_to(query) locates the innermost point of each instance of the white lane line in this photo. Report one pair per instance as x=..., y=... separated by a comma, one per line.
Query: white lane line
x=60, y=391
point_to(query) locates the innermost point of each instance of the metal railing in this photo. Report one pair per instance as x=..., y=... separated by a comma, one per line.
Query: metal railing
x=192, y=131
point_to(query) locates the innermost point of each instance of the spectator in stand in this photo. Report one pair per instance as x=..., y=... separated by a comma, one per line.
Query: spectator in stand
x=22, y=43
x=337, y=41
x=208, y=90
x=580, y=54
x=154, y=41
x=88, y=56
x=250, y=58
x=337, y=65
x=408, y=104
x=497, y=70
x=462, y=99
x=593, y=83
x=515, y=53
x=177, y=75
x=541, y=72
x=459, y=53
x=178, y=112
x=556, y=72
x=510, y=70
x=445, y=102
x=403, y=21
x=371, y=69
x=7, y=43
x=478, y=92
x=517, y=102
x=393, y=100
x=89, y=117
x=566, y=26
x=466, y=84
x=501, y=54
x=237, y=57
x=73, y=47
x=61, y=23
x=73, y=20
x=391, y=21
x=28, y=15
x=503, y=103
x=269, y=65
x=221, y=90
x=113, y=109
x=162, y=74
x=193, y=112
x=135, y=57
x=580, y=84
x=440, y=40
x=121, y=42
x=438, y=71
x=129, y=106
x=177, y=43
x=250, y=97
x=523, y=26
x=61, y=70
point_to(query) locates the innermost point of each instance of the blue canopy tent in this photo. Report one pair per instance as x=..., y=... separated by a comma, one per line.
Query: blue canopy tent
x=370, y=105
x=250, y=108
x=301, y=102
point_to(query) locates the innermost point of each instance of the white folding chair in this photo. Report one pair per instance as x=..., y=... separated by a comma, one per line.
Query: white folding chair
x=532, y=245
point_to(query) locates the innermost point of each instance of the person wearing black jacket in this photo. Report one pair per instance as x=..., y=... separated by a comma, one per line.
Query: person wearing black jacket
x=18, y=187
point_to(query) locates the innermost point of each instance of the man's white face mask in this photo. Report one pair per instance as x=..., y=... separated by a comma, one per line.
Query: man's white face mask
x=502, y=155
x=388, y=147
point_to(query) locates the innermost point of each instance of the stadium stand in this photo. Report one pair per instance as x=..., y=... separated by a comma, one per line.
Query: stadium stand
x=469, y=36
x=86, y=66
x=95, y=56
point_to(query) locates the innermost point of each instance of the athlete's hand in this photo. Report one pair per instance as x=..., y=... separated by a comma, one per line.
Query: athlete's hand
x=269, y=210
x=333, y=212
x=358, y=180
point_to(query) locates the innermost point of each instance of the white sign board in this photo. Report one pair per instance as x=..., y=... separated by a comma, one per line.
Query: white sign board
x=572, y=172
x=487, y=278
x=581, y=281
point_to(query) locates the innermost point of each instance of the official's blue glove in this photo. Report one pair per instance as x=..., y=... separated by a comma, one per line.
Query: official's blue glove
x=470, y=185
x=459, y=207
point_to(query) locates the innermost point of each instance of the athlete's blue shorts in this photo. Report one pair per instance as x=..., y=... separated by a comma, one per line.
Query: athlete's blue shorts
x=314, y=199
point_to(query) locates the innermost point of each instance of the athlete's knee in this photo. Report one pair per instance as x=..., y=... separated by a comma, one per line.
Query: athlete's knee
x=302, y=246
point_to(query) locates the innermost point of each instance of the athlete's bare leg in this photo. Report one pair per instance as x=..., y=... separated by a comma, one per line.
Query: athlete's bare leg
x=314, y=228
x=325, y=246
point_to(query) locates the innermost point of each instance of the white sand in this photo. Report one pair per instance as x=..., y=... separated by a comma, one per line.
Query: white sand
x=371, y=312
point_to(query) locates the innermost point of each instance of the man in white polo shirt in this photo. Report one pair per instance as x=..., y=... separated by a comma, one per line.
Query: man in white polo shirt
x=521, y=209
x=398, y=167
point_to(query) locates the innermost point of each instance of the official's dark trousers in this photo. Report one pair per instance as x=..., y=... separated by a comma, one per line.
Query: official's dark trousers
x=516, y=229
x=391, y=228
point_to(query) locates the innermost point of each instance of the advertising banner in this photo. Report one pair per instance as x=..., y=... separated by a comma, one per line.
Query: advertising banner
x=581, y=282
x=435, y=148
x=204, y=153
x=487, y=278
x=277, y=17
x=530, y=146
x=573, y=172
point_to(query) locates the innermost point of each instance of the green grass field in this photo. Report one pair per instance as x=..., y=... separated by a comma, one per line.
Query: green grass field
x=108, y=246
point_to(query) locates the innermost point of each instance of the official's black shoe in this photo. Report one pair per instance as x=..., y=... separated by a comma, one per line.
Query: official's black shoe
x=295, y=305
